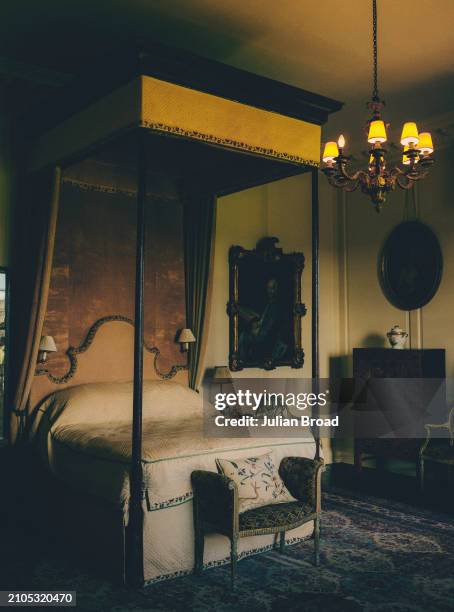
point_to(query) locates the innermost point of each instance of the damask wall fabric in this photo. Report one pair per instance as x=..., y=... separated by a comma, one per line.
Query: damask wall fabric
x=258, y=481
x=93, y=268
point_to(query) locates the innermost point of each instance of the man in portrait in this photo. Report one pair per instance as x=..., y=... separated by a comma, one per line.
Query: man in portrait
x=261, y=337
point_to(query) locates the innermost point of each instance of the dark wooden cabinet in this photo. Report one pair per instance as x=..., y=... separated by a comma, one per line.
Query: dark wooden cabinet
x=394, y=363
x=373, y=363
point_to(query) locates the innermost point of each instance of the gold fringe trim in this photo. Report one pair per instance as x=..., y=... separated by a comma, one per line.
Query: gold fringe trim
x=84, y=186
x=100, y=188
x=228, y=143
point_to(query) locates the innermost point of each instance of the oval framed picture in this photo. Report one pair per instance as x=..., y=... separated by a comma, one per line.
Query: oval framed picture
x=410, y=265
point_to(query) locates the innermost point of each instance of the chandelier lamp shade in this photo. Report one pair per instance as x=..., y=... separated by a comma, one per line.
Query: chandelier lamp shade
x=379, y=179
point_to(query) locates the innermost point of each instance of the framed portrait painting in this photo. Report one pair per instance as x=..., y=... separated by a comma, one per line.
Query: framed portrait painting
x=410, y=265
x=265, y=307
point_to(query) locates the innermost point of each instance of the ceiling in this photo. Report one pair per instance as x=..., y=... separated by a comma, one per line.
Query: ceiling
x=322, y=46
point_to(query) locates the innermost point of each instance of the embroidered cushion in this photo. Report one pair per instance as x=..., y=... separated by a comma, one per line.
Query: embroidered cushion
x=258, y=481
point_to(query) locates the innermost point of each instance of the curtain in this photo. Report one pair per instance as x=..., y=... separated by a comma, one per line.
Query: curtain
x=199, y=231
x=35, y=222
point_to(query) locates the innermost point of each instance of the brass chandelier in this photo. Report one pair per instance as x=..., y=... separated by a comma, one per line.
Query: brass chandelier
x=378, y=179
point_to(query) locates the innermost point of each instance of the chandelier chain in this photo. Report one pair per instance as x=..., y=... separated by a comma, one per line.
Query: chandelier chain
x=375, y=96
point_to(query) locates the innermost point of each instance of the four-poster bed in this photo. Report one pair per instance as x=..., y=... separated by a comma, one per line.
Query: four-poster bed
x=210, y=130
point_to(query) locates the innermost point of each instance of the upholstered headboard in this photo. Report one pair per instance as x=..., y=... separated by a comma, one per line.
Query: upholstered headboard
x=95, y=361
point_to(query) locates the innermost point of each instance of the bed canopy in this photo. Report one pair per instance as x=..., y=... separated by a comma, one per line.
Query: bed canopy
x=155, y=123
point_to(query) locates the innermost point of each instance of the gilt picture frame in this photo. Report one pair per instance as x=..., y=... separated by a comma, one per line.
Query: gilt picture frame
x=265, y=307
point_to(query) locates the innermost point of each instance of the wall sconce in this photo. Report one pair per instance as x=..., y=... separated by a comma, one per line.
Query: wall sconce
x=47, y=345
x=185, y=338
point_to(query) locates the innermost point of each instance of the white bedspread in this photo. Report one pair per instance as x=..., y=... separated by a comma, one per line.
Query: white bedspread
x=85, y=436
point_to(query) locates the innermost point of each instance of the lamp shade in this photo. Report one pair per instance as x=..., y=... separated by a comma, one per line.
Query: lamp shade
x=377, y=131
x=186, y=335
x=425, y=144
x=47, y=344
x=222, y=374
x=330, y=152
x=409, y=134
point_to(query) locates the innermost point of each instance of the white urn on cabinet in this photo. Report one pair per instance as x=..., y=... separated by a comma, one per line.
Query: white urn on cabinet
x=397, y=337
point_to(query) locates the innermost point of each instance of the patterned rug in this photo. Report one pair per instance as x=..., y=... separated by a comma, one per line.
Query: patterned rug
x=377, y=556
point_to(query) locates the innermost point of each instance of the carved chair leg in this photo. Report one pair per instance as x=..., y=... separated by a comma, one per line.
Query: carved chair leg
x=199, y=544
x=233, y=561
x=380, y=463
x=317, y=540
x=282, y=542
x=358, y=460
x=420, y=474
x=199, y=548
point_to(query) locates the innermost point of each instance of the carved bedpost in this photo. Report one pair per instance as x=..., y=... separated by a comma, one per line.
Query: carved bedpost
x=315, y=298
x=134, y=530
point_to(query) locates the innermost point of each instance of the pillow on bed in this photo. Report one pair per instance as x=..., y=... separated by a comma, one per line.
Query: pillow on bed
x=258, y=481
x=112, y=402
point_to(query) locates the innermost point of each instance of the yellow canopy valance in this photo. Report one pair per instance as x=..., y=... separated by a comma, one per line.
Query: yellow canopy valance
x=164, y=107
x=194, y=114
